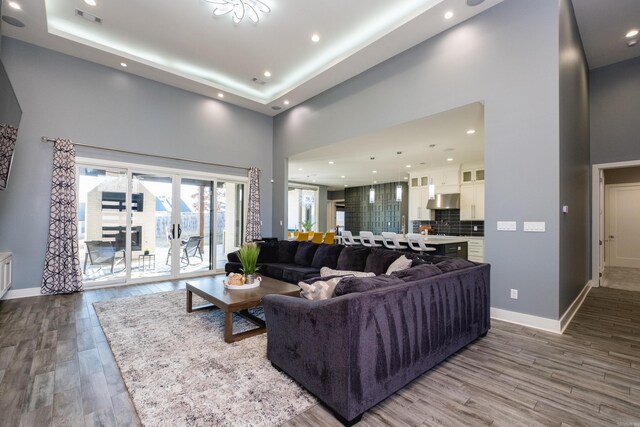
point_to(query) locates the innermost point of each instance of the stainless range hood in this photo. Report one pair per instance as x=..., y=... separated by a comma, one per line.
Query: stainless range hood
x=445, y=201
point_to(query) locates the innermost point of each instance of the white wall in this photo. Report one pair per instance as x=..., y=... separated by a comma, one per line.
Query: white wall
x=62, y=96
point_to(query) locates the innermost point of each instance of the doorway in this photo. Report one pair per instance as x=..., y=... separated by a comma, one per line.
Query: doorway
x=616, y=225
x=140, y=224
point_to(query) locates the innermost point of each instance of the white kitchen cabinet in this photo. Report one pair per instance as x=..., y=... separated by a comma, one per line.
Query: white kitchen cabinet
x=472, y=175
x=5, y=272
x=418, y=198
x=472, y=201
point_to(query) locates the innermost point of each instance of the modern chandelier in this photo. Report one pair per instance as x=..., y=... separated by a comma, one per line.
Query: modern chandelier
x=239, y=9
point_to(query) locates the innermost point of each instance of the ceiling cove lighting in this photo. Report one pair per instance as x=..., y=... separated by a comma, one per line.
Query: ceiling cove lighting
x=14, y=5
x=630, y=34
x=239, y=9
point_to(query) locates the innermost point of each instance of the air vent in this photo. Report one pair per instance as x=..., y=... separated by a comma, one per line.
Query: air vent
x=88, y=16
x=258, y=81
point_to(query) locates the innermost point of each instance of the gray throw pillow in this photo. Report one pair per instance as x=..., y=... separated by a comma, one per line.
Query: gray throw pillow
x=326, y=271
x=319, y=290
x=400, y=264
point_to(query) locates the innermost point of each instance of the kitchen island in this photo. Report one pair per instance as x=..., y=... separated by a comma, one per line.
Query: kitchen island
x=449, y=246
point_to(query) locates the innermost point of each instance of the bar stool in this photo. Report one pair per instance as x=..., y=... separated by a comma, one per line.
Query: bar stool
x=391, y=241
x=416, y=243
x=329, y=237
x=366, y=237
x=317, y=238
x=347, y=239
x=302, y=236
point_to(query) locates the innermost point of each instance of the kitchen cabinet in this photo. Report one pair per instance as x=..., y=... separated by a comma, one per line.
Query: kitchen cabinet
x=454, y=249
x=476, y=249
x=5, y=272
x=418, y=198
x=472, y=201
x=472, y=175
x=446, y=180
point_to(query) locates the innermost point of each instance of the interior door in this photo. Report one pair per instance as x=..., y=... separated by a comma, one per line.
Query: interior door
x=601, y=226
x=622, y=226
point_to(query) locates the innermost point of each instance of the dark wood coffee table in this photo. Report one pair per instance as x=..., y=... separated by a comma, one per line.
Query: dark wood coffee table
x=236, y=301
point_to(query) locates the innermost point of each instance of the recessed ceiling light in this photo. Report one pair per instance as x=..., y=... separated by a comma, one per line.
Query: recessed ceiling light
x=448, y=15
x=299, y=169
x=313, y=180
x=346, y=185
x=331, y=162
x=15, y=5
x=90, y=2
x=406, y=177
x=315, y=38
x=123, y=64
x=267, y=73
x=220, y=95
x=630, y=34
x=408, y=166
x=342, y=176
x=286, y=102
x=471, y=131
x=632, y=43
x=375, y=182
x=450, y=159
x=374, y=171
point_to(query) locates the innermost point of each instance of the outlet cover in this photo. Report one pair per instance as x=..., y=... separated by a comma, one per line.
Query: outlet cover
x=534, y=227
x=514, y=294
x=507, y=226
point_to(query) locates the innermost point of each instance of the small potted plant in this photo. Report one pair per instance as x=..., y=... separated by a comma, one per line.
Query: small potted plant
x=307, y=225
x=248, y=255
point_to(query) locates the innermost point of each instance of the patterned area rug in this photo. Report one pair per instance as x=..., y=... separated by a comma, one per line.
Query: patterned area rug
x=180, y=372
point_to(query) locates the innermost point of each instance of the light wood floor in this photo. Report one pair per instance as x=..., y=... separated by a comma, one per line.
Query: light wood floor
x=57, y=369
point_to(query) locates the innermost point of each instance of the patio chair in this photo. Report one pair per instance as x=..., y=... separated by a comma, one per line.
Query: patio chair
x=191, y=249
x=100, y=253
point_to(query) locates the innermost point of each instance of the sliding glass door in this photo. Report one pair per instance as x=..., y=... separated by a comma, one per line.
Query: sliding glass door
x=142, y=226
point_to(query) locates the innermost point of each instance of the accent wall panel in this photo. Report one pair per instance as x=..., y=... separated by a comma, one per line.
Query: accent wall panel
x=385, y=214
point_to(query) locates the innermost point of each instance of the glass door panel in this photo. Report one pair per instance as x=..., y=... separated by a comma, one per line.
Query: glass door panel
x=229, y=209
x=151, y=225
x=102, y=224
x=196, y=202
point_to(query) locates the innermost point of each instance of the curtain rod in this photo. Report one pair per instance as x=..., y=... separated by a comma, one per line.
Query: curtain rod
x=157, y=156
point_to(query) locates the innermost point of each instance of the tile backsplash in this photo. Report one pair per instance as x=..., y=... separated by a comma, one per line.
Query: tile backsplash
x=448, y=222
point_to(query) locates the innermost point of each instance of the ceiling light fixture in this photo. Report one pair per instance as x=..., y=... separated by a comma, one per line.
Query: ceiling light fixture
x=631, y=33
x=286, y=102
x=238, y=9
x=343, y=176
x=374, y=171
x=315, y=38
x=299, y=169
x=15, y=5
x=408, y=166
x=398, y=193
x=372, y=195
x=448, y=15
x=632, y=43
x=450, y=159
x=267, y=73
x=331, y=162
x=471, y=131
x=123, y=64
x=220, y=95
x=90, y=2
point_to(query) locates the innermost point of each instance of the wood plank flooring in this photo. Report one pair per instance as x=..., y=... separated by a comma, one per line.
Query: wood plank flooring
x=57, y=369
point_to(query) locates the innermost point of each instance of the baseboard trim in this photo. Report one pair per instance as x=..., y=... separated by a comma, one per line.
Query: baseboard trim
x=22, y=293
x=543, y=323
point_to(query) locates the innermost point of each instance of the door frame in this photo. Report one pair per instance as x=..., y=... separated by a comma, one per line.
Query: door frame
x=130, y=168
x=597, y=212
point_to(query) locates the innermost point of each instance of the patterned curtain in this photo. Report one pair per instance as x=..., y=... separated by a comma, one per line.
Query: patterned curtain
x=8, y=135
x=62, y=274
x=254, y=230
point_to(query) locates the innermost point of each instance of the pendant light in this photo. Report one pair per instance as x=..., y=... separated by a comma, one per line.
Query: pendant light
x=399, y=192
x=372, y=194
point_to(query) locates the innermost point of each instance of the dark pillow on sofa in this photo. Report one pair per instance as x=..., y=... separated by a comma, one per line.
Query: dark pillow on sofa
x=351, y=284
x=287, y=251
x=327, y=256
x=233, y=257
x=453, y=264
x=379, y=260
x=353, y=258
x=268, y=252
x=421, y=271
x=305, y=253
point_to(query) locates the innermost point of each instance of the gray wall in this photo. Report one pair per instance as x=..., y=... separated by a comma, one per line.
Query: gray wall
x=574, y=159
x=615, y=104
x=62, y=96
x=506, y=57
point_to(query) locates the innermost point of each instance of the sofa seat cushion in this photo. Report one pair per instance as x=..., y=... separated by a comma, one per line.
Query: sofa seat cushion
x=353, y=258
x=305, y=253
x=274, y=270
x=379, y=260
x=287, y=251
x=351, y=284
x=297, y=273
x=421, y=271
x=327, y=256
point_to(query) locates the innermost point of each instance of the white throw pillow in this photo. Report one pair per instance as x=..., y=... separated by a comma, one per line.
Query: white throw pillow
x=326, y=272
x=319, y=290
x=400, y=264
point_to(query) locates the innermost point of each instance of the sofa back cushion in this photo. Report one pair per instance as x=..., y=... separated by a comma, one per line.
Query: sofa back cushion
x=379, y=260
x=268, y=251
x=421, y=271
x=353, y=258
x=452, y=264
x=287, y=251
x=351, y=284
x=327, y=256
x=304, y=254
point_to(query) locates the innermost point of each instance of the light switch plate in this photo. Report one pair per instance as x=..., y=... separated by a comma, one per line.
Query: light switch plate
x=534, y=227
x=507, y=226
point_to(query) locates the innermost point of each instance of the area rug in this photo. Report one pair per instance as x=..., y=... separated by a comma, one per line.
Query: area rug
x=180, y=372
